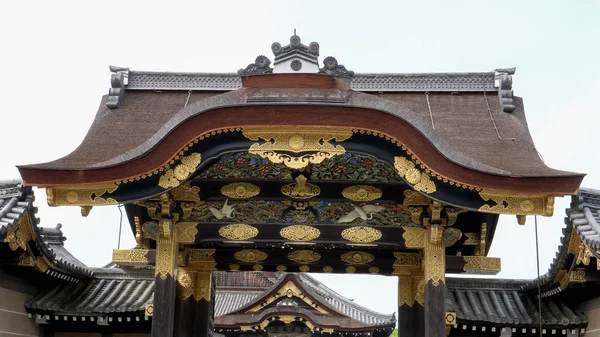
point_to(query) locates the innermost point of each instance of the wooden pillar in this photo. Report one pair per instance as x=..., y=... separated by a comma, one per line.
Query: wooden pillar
x=205, y=306
x=435, y=287
x=165, y=273
x=410, y=294
x=185, y=303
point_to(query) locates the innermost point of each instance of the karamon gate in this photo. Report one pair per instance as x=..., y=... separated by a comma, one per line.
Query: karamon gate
x=303, y=168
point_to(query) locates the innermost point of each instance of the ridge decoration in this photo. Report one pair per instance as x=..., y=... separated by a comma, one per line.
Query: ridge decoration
x=279, y=142
x=238, y=232
x=174, y=176
x=362, y=234
x=421, y=181
x=18, y=236
x=304, y=256
x=300, y=233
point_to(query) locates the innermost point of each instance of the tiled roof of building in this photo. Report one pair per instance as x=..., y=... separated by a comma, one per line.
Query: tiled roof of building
x=379, y=82
x=53, y=242
x=586, y=217
x=503, y=302
x=15, y=201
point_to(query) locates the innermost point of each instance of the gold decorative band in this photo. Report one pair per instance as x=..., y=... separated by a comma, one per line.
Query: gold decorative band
x=130, y=256
x=482, y=265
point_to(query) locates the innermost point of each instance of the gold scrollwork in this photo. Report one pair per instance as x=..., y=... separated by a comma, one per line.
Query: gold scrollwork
x=81, y=195
x=414, y=238
x=508, y=203
x=240, y=190
x=304, y=256
x=362, y=193
x=130, y=256
x=174, y=176
x=301, y=189
x=421, y=181
x=296, y=140
x=361, y=234
x=250, y=255
x=300, y=233
x=186, y=232
x=357, y=257
x=482, y=265
x=238, y=232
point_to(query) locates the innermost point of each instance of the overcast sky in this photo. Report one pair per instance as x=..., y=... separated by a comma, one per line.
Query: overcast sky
x=55, y=58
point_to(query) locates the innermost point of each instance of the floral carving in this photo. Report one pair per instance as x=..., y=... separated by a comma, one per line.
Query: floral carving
x=357, y=257
x=246, y=165
x=361, y=234
x=391, y=215
x=304, y=256
x=300, y=233
x=238, y=232
x=250, y=255
x=354, y=167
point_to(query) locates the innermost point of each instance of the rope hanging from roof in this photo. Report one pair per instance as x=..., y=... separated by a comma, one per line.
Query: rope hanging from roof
x=490, y=112
x=537, y=257
x=429, y=107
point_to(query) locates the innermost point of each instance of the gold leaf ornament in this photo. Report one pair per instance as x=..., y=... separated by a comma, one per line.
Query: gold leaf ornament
x=240, y=190
x=357, y=257
x=250, y=255
x=300, y=233
x=362, y=193
x=174, y=176
x=361, y=234
x=304, y=256
x=238, y=232
x=421, y=181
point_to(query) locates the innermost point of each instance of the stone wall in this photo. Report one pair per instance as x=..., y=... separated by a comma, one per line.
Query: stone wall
x=14, y=321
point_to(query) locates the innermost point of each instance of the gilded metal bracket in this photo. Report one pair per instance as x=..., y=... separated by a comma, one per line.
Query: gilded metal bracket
x=482, y=265
x=81, y=195
x=509, y=203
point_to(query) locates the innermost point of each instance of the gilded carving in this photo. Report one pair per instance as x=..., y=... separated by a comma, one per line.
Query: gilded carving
x=421, y=181
x=434, y=256
x=42, y=264
x=149, y=310
x=373, y=270
x=299, y=233
x=234, y=266
x=186, y=192
x=304, y=268
x=301, y=189
x=350, y=269
x=26, y=260
x=174, y=176
x=357, y=257
x=289, y=290
x=202, y=259
x=250, y=255
x=238, y=232
x=257, y=267
x=281, y=268
x=450, y=318
x=482, y=265
x=362, y=234
x=130, y=256
x=203, y=286
x=185, y=284
x=278, y=143
x=240, y=190
x=304, y=256
x=81, y=195
x=414, y=238
x=481, y=247
x=577, y=276
x=508, y=203
x=418, y=283
x=407, y=259
x=472, y=239
x=18, y=236
x=166, y=252
x=362, y=193
x=405, y=291
x=186, y=232
x=327, y=269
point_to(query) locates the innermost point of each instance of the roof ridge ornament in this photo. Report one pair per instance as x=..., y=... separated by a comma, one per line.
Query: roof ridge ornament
x=260, y=66
x=505, y=92
x=333, y=68
x=296, y=57
x=118, y=81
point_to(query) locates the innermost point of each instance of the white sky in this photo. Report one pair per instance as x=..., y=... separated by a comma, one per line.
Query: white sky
x=55, y=56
